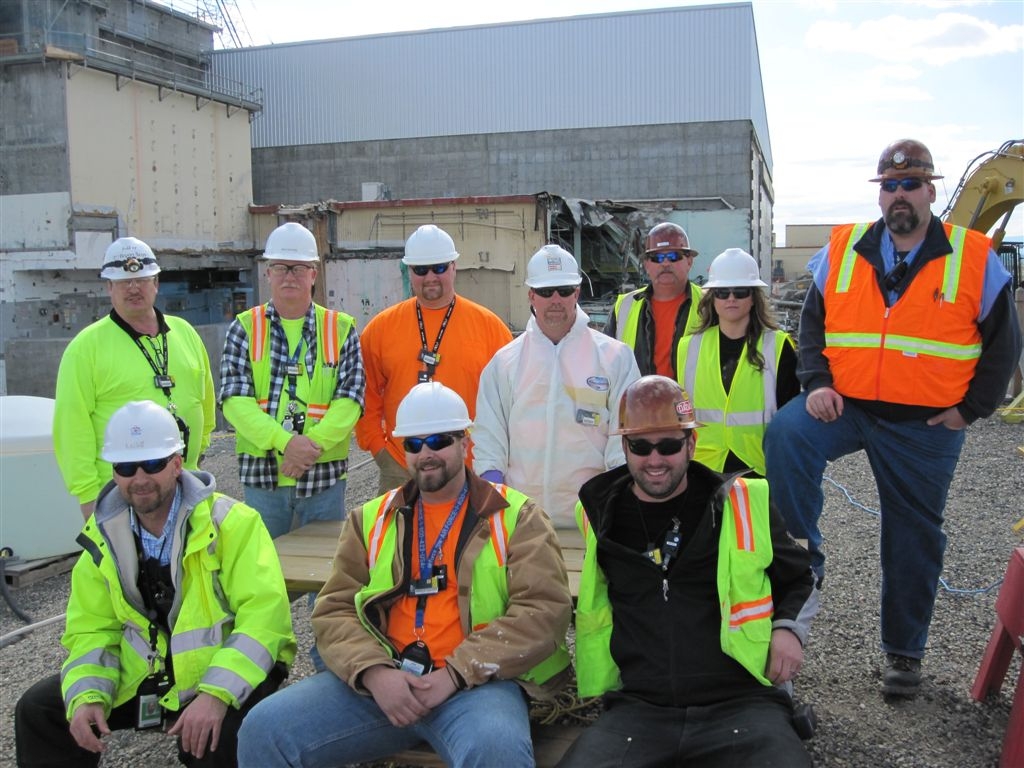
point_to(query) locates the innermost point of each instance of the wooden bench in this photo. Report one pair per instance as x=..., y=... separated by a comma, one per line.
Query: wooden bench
x=1006, y=638
x=307, y=555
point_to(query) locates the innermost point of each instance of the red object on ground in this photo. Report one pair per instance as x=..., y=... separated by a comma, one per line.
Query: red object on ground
x=1006, y=637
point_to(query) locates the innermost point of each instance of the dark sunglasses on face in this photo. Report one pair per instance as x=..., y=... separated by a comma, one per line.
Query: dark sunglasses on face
x=565, y=291
x=667, y=446
x=149, y=466
x=739, y=293
x=908, y=185
x=433, y=442
x=437, y=269
x=672, y=256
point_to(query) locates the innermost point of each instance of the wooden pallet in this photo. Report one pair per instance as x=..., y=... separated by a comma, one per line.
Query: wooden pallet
x=25, y=572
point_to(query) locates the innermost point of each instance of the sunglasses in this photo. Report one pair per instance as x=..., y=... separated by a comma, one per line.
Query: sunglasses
x=667, y=446
x=433, y=442
x=673, y=256
x=565, y=291
x=299, y=270
x=907, y=185
x=149, y=466
x=437, y=269
x=739, y=293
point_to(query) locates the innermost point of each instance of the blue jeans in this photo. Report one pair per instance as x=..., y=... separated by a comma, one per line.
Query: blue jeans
x=277, y=507
x=913, y=465
x=321, y=721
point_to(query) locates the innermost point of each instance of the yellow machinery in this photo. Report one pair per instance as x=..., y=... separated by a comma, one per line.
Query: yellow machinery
x=991, y=187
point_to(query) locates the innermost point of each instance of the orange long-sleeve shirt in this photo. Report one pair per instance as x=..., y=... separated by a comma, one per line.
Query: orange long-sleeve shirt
x=391, y=348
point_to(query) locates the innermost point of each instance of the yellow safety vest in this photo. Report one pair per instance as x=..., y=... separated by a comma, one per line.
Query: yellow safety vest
x=735, y=420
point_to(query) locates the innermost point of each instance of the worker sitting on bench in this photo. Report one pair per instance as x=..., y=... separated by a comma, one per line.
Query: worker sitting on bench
x=448, y=600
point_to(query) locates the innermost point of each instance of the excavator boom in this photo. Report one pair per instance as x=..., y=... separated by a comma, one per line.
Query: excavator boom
x=991, y=187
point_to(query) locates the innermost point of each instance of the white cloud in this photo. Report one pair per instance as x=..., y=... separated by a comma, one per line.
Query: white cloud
x=945, y=38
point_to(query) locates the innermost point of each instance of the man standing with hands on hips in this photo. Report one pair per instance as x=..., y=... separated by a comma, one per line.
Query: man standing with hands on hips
x=908, y=334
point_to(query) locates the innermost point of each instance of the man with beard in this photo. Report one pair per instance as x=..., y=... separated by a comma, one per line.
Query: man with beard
x=447, y=603
x=547, y=402
x=694, y=603
x=178, y=612
x=433, y=336
x=134, y=353
x=652, y=319
x=907, y=335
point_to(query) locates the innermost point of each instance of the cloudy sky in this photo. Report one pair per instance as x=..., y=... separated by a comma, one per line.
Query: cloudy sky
x=842, y=79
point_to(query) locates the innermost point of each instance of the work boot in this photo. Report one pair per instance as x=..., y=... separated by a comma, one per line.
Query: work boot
x=902, y=676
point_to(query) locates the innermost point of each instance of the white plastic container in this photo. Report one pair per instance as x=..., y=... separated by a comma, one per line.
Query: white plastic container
x=38, y=517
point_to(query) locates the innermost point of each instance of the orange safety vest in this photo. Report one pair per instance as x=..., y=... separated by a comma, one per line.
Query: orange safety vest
x=922, y=350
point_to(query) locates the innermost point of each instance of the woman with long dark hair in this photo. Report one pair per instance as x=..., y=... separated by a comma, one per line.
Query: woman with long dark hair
x=738, y=366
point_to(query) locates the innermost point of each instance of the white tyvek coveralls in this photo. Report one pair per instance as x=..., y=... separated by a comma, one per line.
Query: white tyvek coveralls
x=544, y=413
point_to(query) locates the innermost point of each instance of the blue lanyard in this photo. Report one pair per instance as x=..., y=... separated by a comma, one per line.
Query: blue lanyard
x=427, y=563
x=292, y=371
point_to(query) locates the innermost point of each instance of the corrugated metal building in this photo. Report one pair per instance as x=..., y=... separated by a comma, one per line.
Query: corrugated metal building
x=664, y=106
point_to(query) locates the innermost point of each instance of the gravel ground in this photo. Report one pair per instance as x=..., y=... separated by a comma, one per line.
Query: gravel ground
x=942, y=728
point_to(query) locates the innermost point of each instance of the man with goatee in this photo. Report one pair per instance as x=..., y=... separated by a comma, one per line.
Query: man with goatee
x=908, y=334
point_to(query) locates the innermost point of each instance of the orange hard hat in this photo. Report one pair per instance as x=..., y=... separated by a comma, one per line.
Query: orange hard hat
x=669, y=237
x=654, y=403
x=906, y=158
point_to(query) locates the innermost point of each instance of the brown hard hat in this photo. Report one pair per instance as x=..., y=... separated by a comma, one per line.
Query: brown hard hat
x=653, y=403
x=669, y=237
x=906, y=158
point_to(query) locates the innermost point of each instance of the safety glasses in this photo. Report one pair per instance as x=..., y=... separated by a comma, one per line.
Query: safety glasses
x=434, y=442
x=672, y=256
x=437, y=269
x=907, y=185
x=667, y=446
x=149, y=466
x=565, y=291
x=739, y=293
x=299, y=270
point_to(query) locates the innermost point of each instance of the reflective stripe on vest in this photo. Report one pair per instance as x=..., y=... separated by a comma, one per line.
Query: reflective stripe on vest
x=327, y=333
x=376, y=539
x=924, y=348
x=499, y=532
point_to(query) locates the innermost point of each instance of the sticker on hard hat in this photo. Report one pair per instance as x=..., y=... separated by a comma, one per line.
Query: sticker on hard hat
x=554, y=263
x=685, y=410
x=598, y=383
x=662, y=244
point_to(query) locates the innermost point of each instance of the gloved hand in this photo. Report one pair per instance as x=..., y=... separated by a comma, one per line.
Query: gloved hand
x=493, y=476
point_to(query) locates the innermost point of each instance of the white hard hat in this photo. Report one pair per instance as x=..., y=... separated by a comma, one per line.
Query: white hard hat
x=430, y=408
x=551, y=267
x=734, y=268
x=140, y=431
x=128, y=258
x=291, y=242
x=429, y=245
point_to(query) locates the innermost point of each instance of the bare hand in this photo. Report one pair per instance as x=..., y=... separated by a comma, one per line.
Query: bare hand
x=82, y=722
x=441, y=689
x=785, y=656
x=199, y=724
x=825, y=404
x=87, y=509
x=396, y=693
x=951, y=418
x=300, y=455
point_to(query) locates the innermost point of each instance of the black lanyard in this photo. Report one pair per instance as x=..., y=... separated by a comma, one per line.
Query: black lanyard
x=163, y=381
x=430, y=358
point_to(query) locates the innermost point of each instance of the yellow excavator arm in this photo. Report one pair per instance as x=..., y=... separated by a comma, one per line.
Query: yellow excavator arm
x=991, y=187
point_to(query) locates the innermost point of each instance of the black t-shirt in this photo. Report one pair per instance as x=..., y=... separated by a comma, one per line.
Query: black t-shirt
x=666, y=622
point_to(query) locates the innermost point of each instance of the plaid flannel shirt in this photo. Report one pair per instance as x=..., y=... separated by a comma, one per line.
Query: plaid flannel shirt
x=236, y=381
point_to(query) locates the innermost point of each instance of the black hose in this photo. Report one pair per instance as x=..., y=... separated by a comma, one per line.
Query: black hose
x=7, y=593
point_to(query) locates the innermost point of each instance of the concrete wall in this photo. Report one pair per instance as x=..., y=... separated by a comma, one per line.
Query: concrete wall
x=32, y=364
x=711, y=159
x=33, y=130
